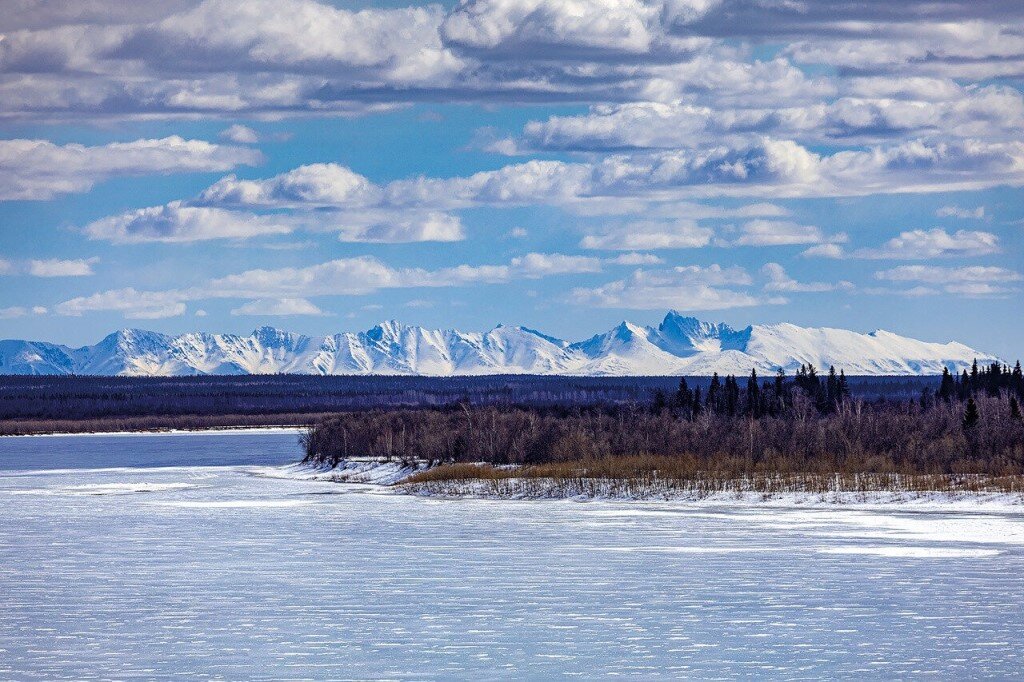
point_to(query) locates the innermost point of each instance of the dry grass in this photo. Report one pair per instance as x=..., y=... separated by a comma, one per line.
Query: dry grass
x=653, y=477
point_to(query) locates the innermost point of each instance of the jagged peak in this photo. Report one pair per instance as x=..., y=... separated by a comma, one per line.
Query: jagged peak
x=681, y=344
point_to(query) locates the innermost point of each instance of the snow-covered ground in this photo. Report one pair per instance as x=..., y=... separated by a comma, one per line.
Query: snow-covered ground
x=224, y=572
x=394, y=473
x=368, y=471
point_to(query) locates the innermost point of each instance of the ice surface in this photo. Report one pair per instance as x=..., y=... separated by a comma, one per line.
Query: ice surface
x=241, y=576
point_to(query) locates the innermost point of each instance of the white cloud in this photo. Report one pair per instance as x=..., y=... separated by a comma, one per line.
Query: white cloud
x=54, y=267
x=278, y=307
x=368, y=212
x=240, y=134
x=824, y=251
x=979, y=281
x=935, y=243
x=934, y=274
x=692, y=288
x=133, y=304
x=778, y=233
x=13, y=312
x=300, y=57
x=38, y=169
x=266, y=288
x=993, y=112
x=397, y=227
x=780, y=281
x=7, y=267
x=534, y=265
x=318, y=184
x=678, y=234
x=977, y=213
x=176, y=222
x=515, y=26
x=636, y=259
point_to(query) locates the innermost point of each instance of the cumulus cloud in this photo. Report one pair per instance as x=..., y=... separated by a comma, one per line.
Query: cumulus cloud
x=934, y=243
x=286, y=57
x=918, y=245
x=38, y=169
x=766, y=168
x=636, y=259
x=778, y=233
x=278, y=307
x=692, y=288
x=824, y=251
x=993, y=111
x=780, y=281
x=55, y=267
x=318, y=184
x=419, y=209
x=535, y=265
x=977, y=213
x=178, y=223
x=267, y=288
x=392, y=227
x=49, y=267
x=678, y=234
x=934, y=274
x=13, y=312
x=133, y=304
x=240, y=134
x=978, y=281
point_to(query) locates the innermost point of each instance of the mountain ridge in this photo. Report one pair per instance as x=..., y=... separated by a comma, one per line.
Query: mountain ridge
x=678, y=345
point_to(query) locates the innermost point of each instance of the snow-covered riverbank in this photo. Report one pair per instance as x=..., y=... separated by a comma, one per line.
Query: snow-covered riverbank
x=394, y=474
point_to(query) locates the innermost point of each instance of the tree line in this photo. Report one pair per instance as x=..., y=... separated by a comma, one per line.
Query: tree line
x=804, y=423
x=30, y=404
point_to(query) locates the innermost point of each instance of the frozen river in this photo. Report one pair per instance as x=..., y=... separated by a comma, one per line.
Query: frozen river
x=172, y=557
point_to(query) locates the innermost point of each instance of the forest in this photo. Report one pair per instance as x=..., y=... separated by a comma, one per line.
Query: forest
x=34, y=404
x=968, y=425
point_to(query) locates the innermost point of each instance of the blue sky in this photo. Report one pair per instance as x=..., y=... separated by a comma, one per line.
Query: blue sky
x=217, y=166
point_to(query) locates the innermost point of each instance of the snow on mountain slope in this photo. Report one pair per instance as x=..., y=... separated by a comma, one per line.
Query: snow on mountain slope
x=678, y=345
x=28, y=357
x=626, y=349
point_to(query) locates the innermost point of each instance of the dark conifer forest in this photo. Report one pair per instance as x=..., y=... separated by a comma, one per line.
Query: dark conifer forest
x=807, y=423
x=31, y=404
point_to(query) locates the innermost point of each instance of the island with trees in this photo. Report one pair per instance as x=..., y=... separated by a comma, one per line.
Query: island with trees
x=802, y=433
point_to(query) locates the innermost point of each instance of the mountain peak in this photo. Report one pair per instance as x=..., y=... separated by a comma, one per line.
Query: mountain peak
x=680, y=344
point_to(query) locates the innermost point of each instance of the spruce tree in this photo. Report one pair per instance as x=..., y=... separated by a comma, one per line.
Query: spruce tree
x=832, y=387
x=714, y=389
x=948, y=387
x=971, y=417
x=659, y=402
x=1014, y=408
x=844, y=386
x=753, y=395
x=684, y=398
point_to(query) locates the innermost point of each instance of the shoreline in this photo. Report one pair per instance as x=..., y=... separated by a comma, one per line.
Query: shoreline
x=206, y=430
x=392, y=478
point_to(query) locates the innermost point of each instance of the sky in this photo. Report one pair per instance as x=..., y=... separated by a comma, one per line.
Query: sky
x=558, y=164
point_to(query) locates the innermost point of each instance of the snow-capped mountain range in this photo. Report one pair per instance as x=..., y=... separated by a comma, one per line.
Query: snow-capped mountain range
x=678, y=346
